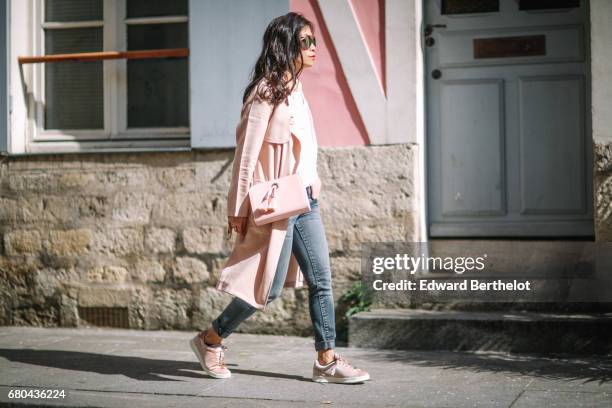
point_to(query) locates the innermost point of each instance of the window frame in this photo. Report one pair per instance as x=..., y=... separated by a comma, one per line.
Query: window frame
x=115, y=132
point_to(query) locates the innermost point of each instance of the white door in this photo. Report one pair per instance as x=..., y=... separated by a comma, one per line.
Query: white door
x=508, y=131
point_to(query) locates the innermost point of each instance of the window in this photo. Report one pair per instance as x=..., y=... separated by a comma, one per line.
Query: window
x=547, y=4
x=157, y=88
x=74, y=91
x=112, y=100
x=469, y=6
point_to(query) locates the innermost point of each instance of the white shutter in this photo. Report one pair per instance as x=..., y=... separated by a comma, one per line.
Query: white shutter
x=225, y=39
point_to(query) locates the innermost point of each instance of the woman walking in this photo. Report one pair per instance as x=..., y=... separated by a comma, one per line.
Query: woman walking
x=275, y=137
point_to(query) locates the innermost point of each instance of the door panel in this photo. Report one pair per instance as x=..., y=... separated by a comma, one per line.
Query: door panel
x=552, y=145
x=507, y=122
x=472, y=186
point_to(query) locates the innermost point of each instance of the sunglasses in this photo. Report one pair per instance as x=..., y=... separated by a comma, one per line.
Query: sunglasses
x=307, y=41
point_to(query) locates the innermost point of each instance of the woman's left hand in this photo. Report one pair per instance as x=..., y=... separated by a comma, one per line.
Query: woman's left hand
x=237, y=223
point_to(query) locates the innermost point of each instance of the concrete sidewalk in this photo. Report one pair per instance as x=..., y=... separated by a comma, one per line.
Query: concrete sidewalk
x=118, y=368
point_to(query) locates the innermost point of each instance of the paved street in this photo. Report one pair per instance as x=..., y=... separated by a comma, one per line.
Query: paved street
x=118, y=368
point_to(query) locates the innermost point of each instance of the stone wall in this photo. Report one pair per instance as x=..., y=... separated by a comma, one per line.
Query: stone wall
x=602, y=181
x=143, y=234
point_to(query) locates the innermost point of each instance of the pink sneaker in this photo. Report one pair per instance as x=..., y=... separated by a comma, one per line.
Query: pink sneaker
x=211, y=357
x=338, y=371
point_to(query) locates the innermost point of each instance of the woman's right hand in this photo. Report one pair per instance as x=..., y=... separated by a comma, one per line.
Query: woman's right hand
x=237, y=223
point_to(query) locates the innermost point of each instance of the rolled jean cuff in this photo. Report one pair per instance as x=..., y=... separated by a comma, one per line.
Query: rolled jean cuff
x=215, y=325
x=325, y=344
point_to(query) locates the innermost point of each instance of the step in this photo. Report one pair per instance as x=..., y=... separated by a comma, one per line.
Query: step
x=538, y=332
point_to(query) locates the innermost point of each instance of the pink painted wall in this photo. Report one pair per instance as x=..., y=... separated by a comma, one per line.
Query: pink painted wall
x=370, y=16
x=337, y=119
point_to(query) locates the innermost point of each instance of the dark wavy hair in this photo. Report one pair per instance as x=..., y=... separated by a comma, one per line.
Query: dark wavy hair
x=281, y=46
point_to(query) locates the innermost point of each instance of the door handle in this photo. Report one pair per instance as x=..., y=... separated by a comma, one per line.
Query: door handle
x=429, y=28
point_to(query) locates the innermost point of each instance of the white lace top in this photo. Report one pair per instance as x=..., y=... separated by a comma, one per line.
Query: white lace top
x=302, y=127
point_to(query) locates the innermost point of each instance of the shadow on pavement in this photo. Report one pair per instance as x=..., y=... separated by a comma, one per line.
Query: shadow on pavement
x=589, y=368
x=138, y=368
x=564, y=368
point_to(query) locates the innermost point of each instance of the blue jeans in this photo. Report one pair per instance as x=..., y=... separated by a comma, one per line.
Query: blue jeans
x=306, y=239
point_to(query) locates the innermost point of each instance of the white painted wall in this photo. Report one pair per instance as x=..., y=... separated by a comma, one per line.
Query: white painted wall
x=225, y=39
x=4, y=130
x=601, y=69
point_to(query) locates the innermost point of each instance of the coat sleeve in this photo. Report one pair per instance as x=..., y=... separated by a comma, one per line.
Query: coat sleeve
x=249, y=140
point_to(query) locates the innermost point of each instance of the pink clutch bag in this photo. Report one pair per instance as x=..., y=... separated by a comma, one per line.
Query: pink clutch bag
x=277, y=199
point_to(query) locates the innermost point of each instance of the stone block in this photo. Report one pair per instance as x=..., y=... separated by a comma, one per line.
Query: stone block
x=22, y=242
x=133, y=207
x=98, y=296
x=160, y=240
x=147, y=270
x=190, y=270
x=176, y=179
x=107, y=274
x=118, y=241
x=70, y=242
x=60, y=209
x=204, y=240
x=182, y=208
x=170, y=309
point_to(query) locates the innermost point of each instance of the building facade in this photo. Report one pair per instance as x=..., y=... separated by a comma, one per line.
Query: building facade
x=435, y=119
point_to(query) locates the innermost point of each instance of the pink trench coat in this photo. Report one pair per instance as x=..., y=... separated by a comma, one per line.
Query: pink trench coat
x=265, y=149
